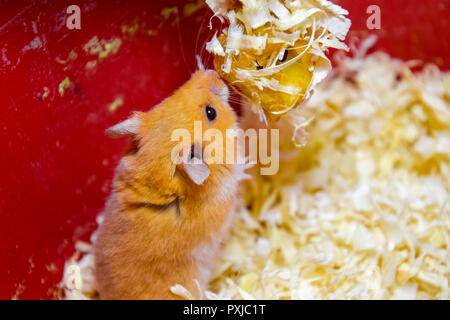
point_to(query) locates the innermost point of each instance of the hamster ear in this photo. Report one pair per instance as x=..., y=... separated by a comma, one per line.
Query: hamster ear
x=129, y=127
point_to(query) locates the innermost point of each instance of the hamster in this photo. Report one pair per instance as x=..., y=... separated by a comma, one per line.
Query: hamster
x=164, y=222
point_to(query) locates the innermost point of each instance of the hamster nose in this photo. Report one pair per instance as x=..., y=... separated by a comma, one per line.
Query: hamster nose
x=220, y=89
x=212, y=73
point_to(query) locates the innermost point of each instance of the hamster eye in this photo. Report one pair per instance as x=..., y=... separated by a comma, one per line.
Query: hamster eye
x=211, y=113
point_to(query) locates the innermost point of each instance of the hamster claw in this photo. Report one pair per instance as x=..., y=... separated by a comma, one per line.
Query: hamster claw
x=241, y=168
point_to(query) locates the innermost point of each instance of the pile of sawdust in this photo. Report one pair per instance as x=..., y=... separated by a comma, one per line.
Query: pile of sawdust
x=362, y=211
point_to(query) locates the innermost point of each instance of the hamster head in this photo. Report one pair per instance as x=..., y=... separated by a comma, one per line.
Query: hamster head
x=182, y=144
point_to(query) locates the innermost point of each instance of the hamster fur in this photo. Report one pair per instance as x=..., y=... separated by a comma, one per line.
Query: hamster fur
x=161, y=227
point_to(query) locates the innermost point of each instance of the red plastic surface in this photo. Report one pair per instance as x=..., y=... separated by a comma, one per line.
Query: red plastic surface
x=56, y=164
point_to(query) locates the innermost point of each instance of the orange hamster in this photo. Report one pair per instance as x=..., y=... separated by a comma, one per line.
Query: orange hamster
x=164, y=222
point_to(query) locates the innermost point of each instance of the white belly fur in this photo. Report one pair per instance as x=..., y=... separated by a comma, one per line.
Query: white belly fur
x=205, y=255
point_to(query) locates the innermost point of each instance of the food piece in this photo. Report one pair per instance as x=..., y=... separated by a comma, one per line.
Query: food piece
x=273, y=51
